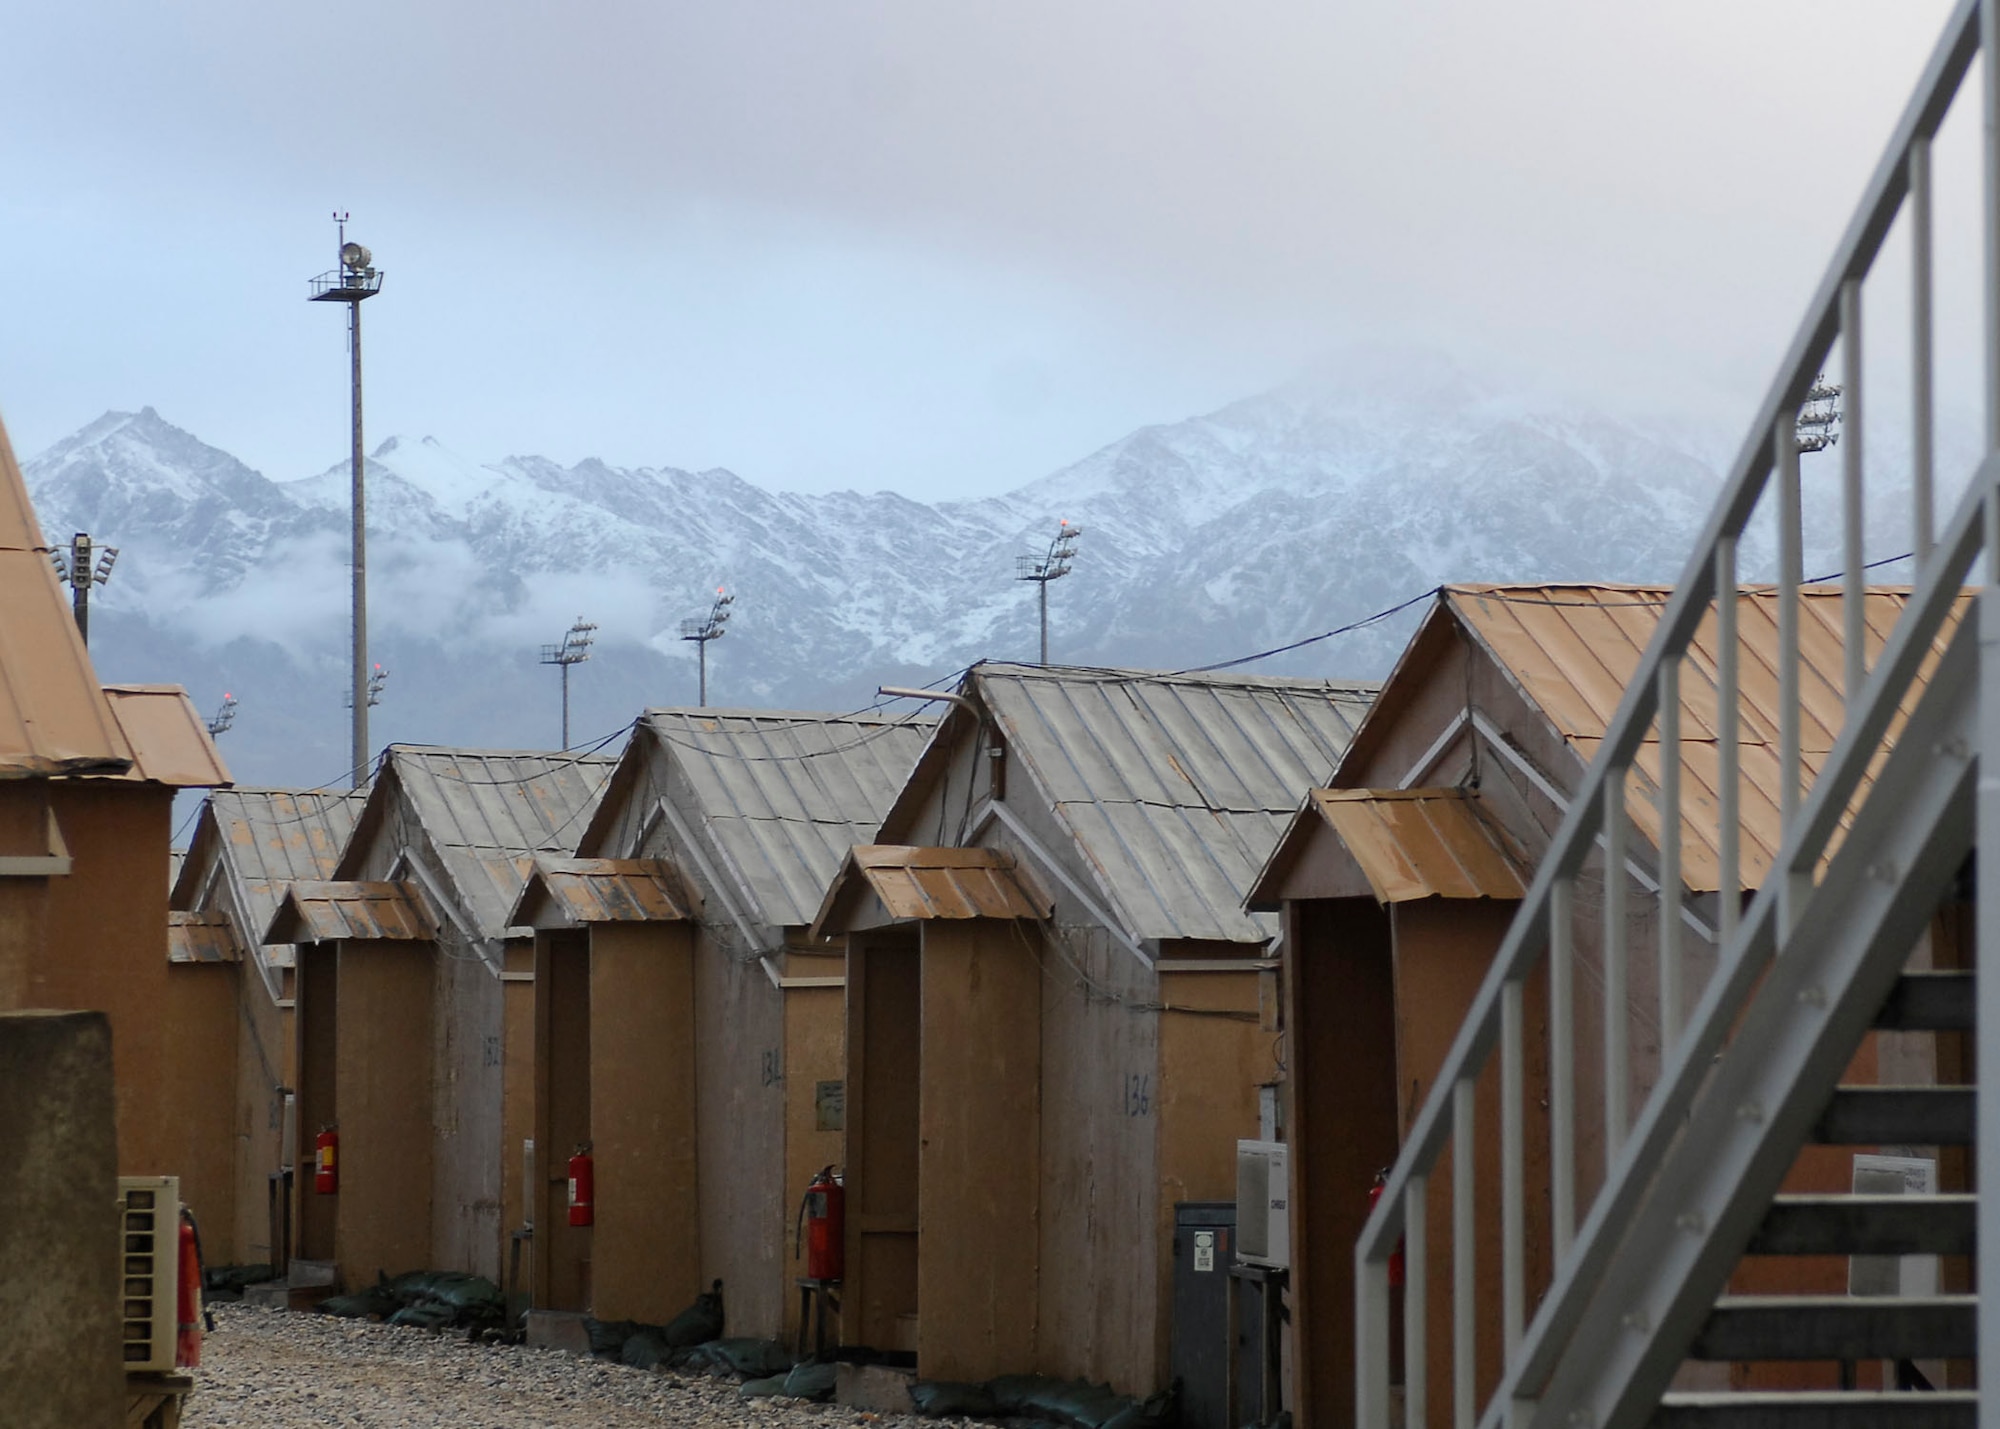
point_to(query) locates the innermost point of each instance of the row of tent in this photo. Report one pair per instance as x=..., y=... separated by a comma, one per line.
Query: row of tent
x=1026, y=971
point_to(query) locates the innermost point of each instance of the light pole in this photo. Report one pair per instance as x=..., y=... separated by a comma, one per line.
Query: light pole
x=708, y=628
x=74, y=566
x=354, y=281
x=225, y=717
x=574, y=650
x=1819, y=418
x=1051, y=566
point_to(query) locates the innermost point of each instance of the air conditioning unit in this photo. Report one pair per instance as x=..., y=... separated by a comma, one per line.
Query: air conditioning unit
x=1263, y=1204
x=149, y=1232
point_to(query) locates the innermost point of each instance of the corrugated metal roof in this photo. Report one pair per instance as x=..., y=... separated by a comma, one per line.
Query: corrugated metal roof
x=201, y=938
x=570, y=892
x=54, y=718
x=784, y=795
x=325, y=912
x=1175, y=787
x=925, y=883
x=1572, y=649
x=169, y=739
x=267, y=839
x=1420, y=843
x=487, y=813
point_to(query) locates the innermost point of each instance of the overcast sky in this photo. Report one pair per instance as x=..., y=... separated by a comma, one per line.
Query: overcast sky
x=939, y=246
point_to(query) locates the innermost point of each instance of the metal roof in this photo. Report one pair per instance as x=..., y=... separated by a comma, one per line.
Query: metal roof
x=201, y=938
x=1419, y=843
x=1572, y=649
x=54, y=719
x=265, y=840
x=781, y=796
x=486, y=813
x=170, y=741
x=1174, y=787
x=572, y=892
x=325, y=912
x=923, y=883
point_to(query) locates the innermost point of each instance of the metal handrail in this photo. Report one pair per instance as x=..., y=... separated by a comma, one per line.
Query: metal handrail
x=346, y=280
x=1597, y=814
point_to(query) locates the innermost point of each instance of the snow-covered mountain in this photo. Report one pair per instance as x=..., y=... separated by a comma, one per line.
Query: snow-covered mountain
x=1344, y=492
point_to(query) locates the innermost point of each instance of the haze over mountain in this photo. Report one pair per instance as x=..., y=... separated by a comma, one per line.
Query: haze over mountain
x=1355, y=487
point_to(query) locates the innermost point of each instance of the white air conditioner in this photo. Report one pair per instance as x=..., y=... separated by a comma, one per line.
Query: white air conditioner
x=149, y=1232
x=1263, y=1204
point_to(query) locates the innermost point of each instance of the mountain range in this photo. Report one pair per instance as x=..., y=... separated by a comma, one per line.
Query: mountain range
x=1356, y=486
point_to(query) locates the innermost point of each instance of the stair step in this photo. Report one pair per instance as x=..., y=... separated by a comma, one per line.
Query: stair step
x=1834, y=1409
x=1838, y=1327
x=1867, y=1225
x=1897, y=1116
x=1929, y=1002
x=311, y=1274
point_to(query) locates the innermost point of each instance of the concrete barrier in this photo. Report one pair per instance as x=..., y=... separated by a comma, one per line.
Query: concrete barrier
x=60, y=1365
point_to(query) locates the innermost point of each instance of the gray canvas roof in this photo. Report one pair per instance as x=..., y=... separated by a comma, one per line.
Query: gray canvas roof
x=268, y=838
x=1175, y=787
x=487, y=813
x=784, y=795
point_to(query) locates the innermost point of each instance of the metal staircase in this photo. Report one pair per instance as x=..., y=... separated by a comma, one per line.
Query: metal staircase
x=1620, y=1226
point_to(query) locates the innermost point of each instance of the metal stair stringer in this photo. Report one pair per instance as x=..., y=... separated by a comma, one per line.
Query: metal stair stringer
x=1755, y=1108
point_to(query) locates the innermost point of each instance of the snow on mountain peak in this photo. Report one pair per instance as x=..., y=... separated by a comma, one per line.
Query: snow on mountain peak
x=1363, y=482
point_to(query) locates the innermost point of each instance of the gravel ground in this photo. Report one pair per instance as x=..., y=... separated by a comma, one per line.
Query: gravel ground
x=277, y=1370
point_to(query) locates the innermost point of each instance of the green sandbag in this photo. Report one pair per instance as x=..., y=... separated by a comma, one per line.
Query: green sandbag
x=752, y=1359
x=700, y=1322
x=769, y=1388
x=423, y=1317
x=373, y=1303
x=466, y=1292
x=644, y=1348
x=608, y=1337
x=811, y=1381
x=953, y=1399
x=1075, y=1402
x=1012, y=1392
x=1158, y=1411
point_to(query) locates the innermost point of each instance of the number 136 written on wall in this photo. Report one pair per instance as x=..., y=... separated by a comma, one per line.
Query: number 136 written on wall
x=1139, y=1095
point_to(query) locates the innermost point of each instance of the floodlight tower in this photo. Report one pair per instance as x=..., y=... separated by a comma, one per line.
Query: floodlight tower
x=574, y=650
x=1053, y=565
x=355, y=280
x=1820, y=416
x=708, y=628
x=225, y=717
x=74, y=567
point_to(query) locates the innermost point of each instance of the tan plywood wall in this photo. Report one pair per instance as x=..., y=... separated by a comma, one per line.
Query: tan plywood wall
x=517, y=1116
x=382, y=1075
x=200, y=1140
x=263, y=1035
x=562, y=1115
x=316, y=1031
x=980, y=1137
x=646, y=1261
x=739, y=1062
x=1099, y=1288
x=815, y=1052
x=468, y=1056
x=1341, y=1123
x=1217, y=1036
x=884, y=1018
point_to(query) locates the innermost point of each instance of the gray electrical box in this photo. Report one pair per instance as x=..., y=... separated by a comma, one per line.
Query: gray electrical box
x=1205, y=1342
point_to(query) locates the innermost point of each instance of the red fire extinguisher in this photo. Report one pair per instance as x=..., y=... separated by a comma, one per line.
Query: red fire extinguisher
x=582, y=1188
x=326, y=1161
x=187, y=1299
x=823, y=1223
